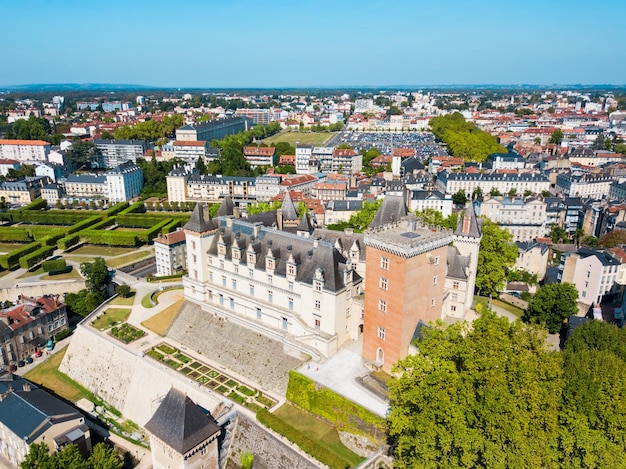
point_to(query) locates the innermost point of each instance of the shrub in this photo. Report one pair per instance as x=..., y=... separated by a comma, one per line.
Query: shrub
x=36, y=204
x=110, y=238
x=62, y=335
x=303, y=441
x=123, y=291
x=10, y=234
x=29, y=260
x=12, y=259
x=117, y=208
x=84, y=224
x=68, y=241
x=329, y=405
x=151, y=233
x=53, y=264
x=52, y=239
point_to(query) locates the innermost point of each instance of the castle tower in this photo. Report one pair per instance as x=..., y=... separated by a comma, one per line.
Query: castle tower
x=198, y=233
x=404, y=283
x=181, y=435
x=467, y=237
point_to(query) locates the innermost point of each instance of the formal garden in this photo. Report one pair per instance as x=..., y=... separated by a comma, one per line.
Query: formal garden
x=213, y=379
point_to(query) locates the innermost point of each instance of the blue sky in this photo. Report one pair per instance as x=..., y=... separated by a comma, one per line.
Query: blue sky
x=242, y=43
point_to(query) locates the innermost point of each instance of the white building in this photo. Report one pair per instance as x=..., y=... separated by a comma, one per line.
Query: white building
x=303, y=156
x=451, y=183
x=124, y=182
x=24, y=150
x=420, y=200
x=170, y=251
x=288, y=286
x=116, y=152
x=525, y=219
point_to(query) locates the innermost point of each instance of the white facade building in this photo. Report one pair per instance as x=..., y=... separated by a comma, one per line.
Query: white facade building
x=124, y=182
x=24, y=150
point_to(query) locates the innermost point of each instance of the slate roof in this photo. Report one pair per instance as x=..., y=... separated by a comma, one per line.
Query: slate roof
x=305, y=224
x=474, y=230
x=180, y=423
x=457, y=264
x=281, y=245
x=29, y=413
x=290, y=212
x=342, y=240
x=226, y=207
x=197, y=223
x=391, y=210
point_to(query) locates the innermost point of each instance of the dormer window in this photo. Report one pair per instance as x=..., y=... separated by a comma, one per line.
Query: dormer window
x=291, y=269
x=317, y=285
x=236, y=254
x=251, y=258
x=221, y=249
x=270, y=263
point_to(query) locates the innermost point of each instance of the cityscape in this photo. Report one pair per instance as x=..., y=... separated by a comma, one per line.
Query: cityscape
x=233, y=261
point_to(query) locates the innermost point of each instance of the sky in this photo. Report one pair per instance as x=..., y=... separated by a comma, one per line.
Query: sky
x=291, y=43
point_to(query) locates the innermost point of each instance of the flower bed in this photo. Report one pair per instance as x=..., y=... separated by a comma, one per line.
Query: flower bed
x=126, y=333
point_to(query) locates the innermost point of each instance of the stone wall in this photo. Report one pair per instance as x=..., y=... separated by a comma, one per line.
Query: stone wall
x=38, y=289
x=269, y=451
x=132, y=383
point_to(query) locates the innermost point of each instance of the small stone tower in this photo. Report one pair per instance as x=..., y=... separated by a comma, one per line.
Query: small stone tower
x=467, y=237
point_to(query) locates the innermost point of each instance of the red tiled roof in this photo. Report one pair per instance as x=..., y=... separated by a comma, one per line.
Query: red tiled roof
x=189, y=143
x=259, y=151
x=171, y=238
x=39, y=143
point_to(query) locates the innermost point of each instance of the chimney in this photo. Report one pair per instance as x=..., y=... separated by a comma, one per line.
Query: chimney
x=236, y=213
x=467, y=221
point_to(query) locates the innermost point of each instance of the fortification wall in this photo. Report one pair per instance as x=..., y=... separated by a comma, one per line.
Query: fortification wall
x=36, y=290
x=132, y=383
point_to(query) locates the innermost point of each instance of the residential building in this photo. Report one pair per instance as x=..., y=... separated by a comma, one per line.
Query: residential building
x=124, y=182
x=24, y=150
x=277, y=281
x=506, y=161
x=190, y=151
x=617, y=190
x=260, y=156
x=25, y=328
x=53, y=171
x=451, y=183
x=52, y=193
x=303, y=157
x=524, y=218
x=182, y=434
x=420, y=200
x=574, y=214
x=325, y=157
x=170, y=252
x=329, y=190
x=593, y=273
x=338, y=211
x=116, y=152
x=213, y=130
x=572, y=184
x=85, y=186
x=532, y=257
x=345, y=161
x=267, y=187
x=22, y=191
x=5, y=165
x=28, y=415
x=256, y=116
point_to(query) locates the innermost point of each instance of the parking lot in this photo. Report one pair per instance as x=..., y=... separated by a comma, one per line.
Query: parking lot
x=423, y=143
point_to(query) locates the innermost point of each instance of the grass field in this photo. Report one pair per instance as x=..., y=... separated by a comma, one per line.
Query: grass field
x=121, y=301
x=71, y=275
x=8, y=247
x=29, y=273
x=47, y=374
x=111, y=317
x=310, y=138
x=127, y=258
x=510, y=308
x=102, y=251
x=325, y=434
x=161, y=321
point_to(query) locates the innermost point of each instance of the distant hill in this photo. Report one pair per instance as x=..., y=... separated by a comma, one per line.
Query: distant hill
x=47, y=87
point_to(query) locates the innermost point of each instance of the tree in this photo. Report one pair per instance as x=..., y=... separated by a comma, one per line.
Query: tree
x=38, y=457
x=551, y=305
x=577, y=234
x=590, y=241
x=494, y=192
x=123, y=291
x=431, y=216
x=104, y=457
x=96, y=274
x=83, y=302
x=81, y=154
x=497, y=254
x=485, y=396
x=557, y=234
x=459, y=198
x=528, y=193
x=613, y=238
x=512, y=192
x=556, y=136
x=478, y=193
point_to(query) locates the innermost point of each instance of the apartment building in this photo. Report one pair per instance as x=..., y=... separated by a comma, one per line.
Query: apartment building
x=420, y=200
x=124, y=182
x=524, y=218
x=451, y=183
x=170, y=251
x=572, y=184
x=213, y=130
x=116, y=152
x=303, y=157
x=260, y=156
x=24, y=150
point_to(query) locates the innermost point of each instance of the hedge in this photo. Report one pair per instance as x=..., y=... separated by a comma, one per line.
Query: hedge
x=52, y=239
x=68, y=241
x=148, y=235
x=145, y=220
x=103, y=223
x=36, y=204
x=136, y=207
x=48, y=217
x=54, y=264
x=115, y=209
x=172, y=225
x=329, y=405
x=29, y=260
x=38, y=232
x=110, y=238
x=12, y=259
x=305, y=443
x=83, y=224
x=10, y=234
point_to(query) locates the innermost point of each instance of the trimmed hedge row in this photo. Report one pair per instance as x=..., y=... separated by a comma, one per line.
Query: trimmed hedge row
x=146, y=220
x=136, y=207
x=82, y=225
x=103, y=224
x=329, y=405
x=29, y=260
x=39, y=232
x=36, y=204
x=151, y=233
x=68, y=241
x=54, y=264
x=172, y=225
x=110, y=238
x=12, y=259
x=48, y=217
x=305, y=443
x=52, y=239
x=115, y=209
x=9, y=234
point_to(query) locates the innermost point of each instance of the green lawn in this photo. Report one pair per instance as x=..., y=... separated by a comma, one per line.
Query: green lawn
x=484, y=301
x=8, y=247
x=29, y=273
x=315, y=428
x=127, y=258
x=310, y=138
x=47, y=374
x=71, y=275
x=101, y=251
x=111, y=317
x=160, y=322
x=121, y=301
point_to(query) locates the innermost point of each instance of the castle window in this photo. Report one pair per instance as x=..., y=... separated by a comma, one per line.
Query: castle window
x=435, y=279
x=317, y=285
x=318, y=305
x=270, y=296
x=221, y=264
x=384, y=263
x=381, y=333
x=291, y=269
x=432, y=302
x=455, y=285
x=382, y=306
x=436, y=260
x=318, y=324
x=383, y=284
x=290, y=300
x=270, y=278
x=251, y=290
x=290, y=285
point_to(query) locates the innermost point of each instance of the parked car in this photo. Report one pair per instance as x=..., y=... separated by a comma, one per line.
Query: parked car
x=21, y=363
x=13, y=368
x=29, y=360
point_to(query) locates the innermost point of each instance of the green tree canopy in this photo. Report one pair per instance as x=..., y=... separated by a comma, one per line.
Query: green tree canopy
x=497, y=254
x=463, y=138
x=551, y=305
x=430, y=216
x=360, y=220
x=96, y=274
x=102, y=456
x=485, y=396
x=459, y=198
x=556, y=136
